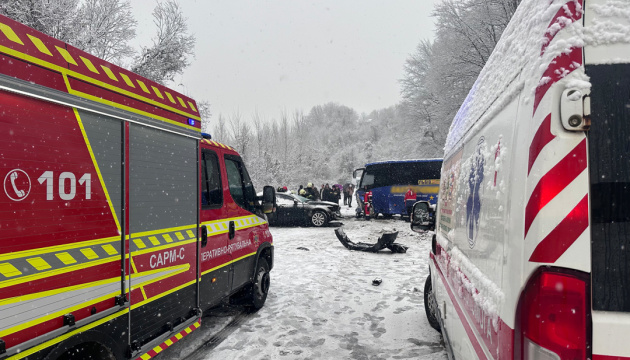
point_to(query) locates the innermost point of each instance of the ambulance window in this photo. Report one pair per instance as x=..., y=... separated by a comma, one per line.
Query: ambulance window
x=241, y=187
x=211, y=190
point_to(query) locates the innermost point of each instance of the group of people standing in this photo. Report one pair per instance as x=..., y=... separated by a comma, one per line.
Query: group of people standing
x=327, y=193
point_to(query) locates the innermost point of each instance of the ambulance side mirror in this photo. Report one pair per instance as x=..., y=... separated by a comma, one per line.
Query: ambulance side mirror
x=422, y=217
x=268, y=204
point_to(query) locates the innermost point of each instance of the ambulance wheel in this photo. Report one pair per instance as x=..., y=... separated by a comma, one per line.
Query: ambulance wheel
x=319, y=219
x=430, y=306
x=260, y=286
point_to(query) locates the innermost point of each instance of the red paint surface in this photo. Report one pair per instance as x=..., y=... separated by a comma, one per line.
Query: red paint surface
x=563, y=235
x=556, y=180
x=542, y=137
x=559, y=68
x=567, y=13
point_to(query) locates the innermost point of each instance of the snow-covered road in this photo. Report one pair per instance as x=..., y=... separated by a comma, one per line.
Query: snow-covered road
x=322, y=304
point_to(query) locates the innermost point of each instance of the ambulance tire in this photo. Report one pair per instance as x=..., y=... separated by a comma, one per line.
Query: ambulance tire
x=428, y=293
x=260, y=285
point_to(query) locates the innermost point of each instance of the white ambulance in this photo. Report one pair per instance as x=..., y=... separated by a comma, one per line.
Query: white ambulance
x=531, y=253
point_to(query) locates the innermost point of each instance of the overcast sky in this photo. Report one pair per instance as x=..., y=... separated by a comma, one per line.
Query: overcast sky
x=275, y=55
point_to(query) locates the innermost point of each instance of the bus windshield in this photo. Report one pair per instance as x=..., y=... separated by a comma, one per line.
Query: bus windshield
x=399, y=173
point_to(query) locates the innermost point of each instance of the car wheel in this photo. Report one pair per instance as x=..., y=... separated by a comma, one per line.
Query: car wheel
x=319, y=219
x=430, y=305
x=260, y=285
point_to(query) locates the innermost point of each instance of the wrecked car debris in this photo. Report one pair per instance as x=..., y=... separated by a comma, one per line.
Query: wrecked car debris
x=385, y=241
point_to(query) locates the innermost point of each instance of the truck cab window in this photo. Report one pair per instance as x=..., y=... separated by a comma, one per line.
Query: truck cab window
x=241, y=187
x=211, y=190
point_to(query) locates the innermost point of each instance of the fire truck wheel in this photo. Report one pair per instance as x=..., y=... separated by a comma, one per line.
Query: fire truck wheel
x=319, y=219
x=260, y=286
x=430, y=306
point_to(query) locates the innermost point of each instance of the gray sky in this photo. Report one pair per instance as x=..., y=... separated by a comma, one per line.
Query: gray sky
x=275, y=55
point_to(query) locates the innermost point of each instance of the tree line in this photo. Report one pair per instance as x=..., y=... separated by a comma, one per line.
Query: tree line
x=327, y=143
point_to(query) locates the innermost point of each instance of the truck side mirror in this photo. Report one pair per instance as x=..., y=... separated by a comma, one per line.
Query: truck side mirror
x=422, y=217
x=268, y=199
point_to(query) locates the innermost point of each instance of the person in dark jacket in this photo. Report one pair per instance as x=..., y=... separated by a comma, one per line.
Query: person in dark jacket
x=336, y=194
x=326, y=193
x=312, y=191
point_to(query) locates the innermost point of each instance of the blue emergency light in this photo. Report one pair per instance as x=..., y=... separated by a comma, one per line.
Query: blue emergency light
x=191, y=122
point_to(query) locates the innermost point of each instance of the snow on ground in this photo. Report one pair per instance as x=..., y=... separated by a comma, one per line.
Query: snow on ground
x=322, y=304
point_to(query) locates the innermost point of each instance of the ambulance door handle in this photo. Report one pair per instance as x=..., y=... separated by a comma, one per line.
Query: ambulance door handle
x=204, y=236
x=231, y=230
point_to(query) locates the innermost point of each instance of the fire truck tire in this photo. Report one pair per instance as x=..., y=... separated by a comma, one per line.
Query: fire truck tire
x=430, y=305
x=86, y=350
x=260, y=285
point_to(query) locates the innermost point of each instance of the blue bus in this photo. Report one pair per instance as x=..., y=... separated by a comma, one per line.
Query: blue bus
x=390, y=180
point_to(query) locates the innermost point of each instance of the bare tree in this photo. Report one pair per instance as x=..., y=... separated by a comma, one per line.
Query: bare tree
x=57, y=18
x=172, y=46
x=204, y=112
x=106, y=27
x=241, y=133
x=220, y=130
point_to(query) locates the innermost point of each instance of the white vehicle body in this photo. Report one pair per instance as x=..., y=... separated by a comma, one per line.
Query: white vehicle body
x=531, y=256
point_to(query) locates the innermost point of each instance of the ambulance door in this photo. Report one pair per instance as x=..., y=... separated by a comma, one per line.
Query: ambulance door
x=215, y=258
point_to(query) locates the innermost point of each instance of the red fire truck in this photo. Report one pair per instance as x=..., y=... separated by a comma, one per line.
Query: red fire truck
x=119, y=222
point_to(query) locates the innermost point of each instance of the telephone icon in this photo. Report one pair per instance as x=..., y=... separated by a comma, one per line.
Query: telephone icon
x=19, y=193
x=17, y=185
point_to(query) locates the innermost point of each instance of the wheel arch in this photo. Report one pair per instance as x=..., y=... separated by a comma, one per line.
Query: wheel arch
x=91, y=337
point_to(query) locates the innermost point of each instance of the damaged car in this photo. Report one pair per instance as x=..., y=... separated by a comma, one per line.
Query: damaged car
x=295, y=210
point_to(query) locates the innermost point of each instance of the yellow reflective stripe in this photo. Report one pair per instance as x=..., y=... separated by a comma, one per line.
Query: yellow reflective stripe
x=144, y=294
x=170, y=97
x=157, y=92
x=39, y=45
x=10, y=34
x=89, y=254
x=179, y=236
x=139, y=243
x=169, y=342
x=154, y=240
x=66, y=336
x=190, y=234
x=39, y=263
x=67, y=269
x=163, y=247
x=157, y=349
x=89, y=65
x=109, y=73
x=228, y=263
x=145, y=357
x=161, y=231
x=179, y=336
x=9, y=270
x=192, y=106
x=181, y=102
x=50, y=316
x=56, y=248
x=143, y=86
x=65, y=258
x=65, y=71
x=127, y=80
x=109, y=249
x=167, y=238
x=96, y=167
x=66, y=55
